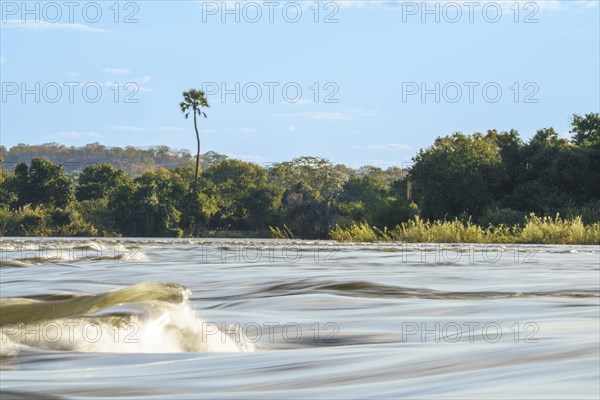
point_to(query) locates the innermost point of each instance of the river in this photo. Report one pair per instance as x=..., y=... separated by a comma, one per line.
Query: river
x=192, y=318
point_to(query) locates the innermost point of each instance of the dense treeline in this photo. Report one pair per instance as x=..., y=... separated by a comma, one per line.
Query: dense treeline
x=132, y=160
x=493, y=178
x=496, y=177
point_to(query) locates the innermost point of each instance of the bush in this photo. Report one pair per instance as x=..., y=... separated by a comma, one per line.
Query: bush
x=97, y=213
x=501, y=216
x=60, y=217
x=589, y=212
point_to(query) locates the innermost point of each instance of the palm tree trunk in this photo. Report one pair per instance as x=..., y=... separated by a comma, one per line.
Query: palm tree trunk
x=197, y=153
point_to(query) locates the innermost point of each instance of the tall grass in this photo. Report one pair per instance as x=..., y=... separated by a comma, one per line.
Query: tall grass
x=278, y=233
x=544, y=230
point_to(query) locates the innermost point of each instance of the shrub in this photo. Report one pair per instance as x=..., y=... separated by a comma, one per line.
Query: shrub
x=501, y=216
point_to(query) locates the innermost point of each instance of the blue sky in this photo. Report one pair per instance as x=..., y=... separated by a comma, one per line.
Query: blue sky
x=370, y=65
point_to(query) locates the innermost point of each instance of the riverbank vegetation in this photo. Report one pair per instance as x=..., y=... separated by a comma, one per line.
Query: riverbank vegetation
x=544, y=230
x=482, y=187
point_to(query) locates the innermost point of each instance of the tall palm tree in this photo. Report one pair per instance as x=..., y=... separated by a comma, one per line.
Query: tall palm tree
x=193, y=102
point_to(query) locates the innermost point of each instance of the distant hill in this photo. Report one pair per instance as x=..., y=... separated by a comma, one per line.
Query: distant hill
x=133, y=160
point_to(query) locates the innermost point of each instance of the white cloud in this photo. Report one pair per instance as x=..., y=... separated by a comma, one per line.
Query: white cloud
x=76, y=135
x=373, y=162
x=130, y=85
x=143, y=79
x=401, y=162
x=117, y=70
x=44, y=25
x=559, y=5
x=128, y=128
x=361, y=112
x=386, y=147
x=290, y=128
x=338, y=116
x=300, y=102
x=231, y=130
x=342, y=115
x=142, y=129
x=248, y=158
x=331, y=115
x=168, y=128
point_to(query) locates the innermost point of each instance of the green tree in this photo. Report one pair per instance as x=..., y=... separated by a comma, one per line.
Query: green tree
x=149, y=206
x=312, y=185
x=246, y=198
x=586, y=129
x=7, y=197
x=95, y=182
x=41, y=183
x=456, y=175
x=193, y=102
x=370, y=198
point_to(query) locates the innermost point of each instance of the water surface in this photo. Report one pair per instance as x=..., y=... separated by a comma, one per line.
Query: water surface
x=188, y=319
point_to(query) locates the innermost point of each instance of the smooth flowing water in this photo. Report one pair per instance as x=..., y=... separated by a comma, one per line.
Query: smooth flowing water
x=189, y=319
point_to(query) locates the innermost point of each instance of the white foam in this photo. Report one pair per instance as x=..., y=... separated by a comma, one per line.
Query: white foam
x=159, y=328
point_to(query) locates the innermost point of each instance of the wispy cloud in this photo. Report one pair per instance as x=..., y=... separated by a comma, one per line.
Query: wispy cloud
x=117, y=70
x=342, y=115
x=248, y=158
x=143, y=79
x=337, y=116
x=379, y=163
x=231, y=130
x=373, y=162
x=301, y=102
x=128, y=128
x=131, y=128
x=289, y=128
x=542, y=4
x=77, y=135
x=136, y=81
x=44, y=26
x=386, y=147
x=361, y=112
x=168, y=128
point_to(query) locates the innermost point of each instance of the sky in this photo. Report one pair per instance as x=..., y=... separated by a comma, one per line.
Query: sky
x=357, y=82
